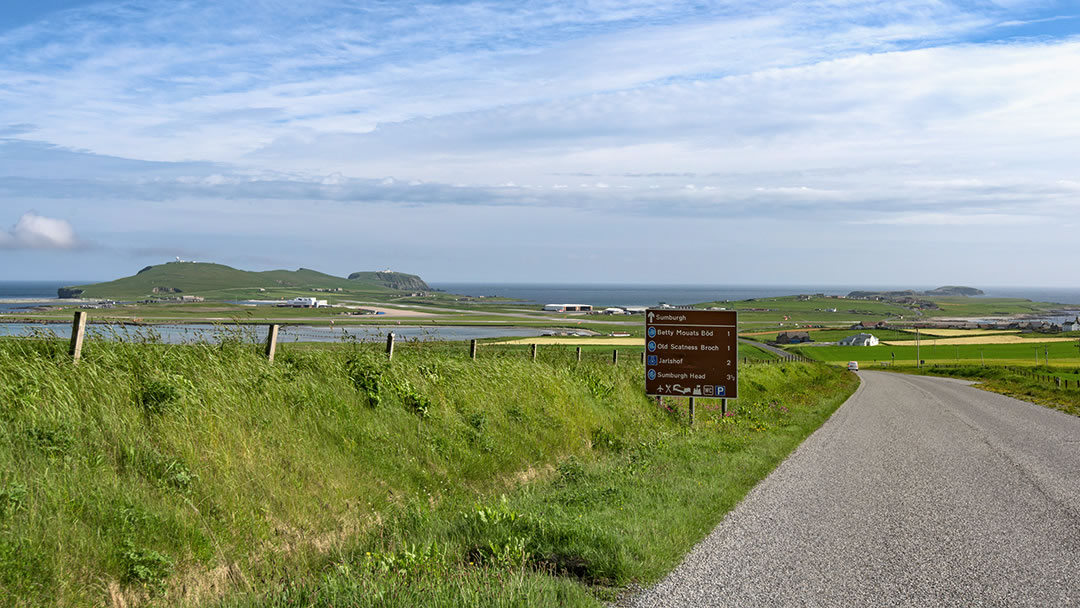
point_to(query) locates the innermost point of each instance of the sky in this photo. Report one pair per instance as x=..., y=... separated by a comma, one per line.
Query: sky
x=830, y=142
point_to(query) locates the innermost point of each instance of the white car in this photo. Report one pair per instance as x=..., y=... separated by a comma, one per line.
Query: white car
x=853, y=366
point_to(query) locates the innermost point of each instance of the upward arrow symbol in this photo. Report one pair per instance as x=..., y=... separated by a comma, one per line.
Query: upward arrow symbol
x=650, y=316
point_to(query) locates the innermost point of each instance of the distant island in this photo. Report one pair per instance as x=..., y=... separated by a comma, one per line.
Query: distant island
x=206, y=279
x=947, y=290
x=916, y=299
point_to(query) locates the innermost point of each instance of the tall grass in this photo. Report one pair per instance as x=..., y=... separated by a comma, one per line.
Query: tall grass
x=181, y=475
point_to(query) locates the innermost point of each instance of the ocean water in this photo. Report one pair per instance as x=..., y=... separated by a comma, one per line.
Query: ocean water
x=651, y=295
x=13, y=294
x=26, y=294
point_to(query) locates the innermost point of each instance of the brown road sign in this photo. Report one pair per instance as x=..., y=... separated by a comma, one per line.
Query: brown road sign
x=691, y=353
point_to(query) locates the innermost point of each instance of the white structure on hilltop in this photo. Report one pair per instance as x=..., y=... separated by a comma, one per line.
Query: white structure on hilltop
x=859, y=340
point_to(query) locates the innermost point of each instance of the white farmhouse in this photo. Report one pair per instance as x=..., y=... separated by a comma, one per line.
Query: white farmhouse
x=1073, y=325
x=859, y=340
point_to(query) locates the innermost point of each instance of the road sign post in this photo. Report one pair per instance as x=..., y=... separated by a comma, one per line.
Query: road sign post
x=691, y=353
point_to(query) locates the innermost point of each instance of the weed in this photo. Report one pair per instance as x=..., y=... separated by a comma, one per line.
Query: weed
x=603, y=439
x=51, y=440
x=600, y=387
x=365, y=376
x=570, y=471
x=160, y=394
x=409, y=561
x=12, y=499
x=477, y=420
x=145, y=567
x=415, y=401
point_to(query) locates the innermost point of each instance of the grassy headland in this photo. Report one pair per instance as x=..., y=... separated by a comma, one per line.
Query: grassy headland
x=224, y=282
x=200, y=474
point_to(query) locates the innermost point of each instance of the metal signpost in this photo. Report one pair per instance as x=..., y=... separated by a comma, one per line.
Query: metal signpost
x=691, y=353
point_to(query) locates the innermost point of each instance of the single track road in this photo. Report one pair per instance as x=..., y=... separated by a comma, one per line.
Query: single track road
x=917, y=492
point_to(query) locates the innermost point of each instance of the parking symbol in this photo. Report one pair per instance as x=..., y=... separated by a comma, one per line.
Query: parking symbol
x=720, y=390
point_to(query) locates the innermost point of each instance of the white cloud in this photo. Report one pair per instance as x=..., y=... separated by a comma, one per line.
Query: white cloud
x=34, y=231
x=897, y=116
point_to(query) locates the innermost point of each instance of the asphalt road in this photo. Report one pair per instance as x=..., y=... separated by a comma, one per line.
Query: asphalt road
x=917, y=492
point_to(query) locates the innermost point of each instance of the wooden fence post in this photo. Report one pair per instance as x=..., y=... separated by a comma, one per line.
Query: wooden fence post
x=615, y=357
x=534, y=351
x=390, y=346
x=578, y=354
x=78, y=331
x=271, y=342
x=472, y=349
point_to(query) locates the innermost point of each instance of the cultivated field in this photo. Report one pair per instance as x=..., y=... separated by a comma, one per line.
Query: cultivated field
x=982, y=339
x=1060, y=353
x=958, y=333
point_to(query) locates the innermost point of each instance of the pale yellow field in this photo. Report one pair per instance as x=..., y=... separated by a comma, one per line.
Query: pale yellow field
x=959, y=333
x=575, y=341
x=998, y=339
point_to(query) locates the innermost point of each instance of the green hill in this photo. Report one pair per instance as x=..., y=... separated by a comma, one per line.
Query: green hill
x=393, y=280
x=220, y=281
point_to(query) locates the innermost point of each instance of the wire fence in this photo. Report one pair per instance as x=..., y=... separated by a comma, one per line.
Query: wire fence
x=270, y=337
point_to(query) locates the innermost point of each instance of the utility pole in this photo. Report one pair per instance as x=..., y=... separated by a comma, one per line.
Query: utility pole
x=918, y=357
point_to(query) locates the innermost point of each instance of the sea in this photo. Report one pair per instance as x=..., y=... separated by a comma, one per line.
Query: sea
x=676, y=295
x=15, y=294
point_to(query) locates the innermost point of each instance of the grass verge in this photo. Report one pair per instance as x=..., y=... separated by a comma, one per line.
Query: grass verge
x=202, y=475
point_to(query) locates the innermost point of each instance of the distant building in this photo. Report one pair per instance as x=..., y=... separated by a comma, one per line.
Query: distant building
x=305, y=303
x=793, y=337
x=859, y=340
x=614, y=311
x=568, y=307
x=1073, y=325
x=870, y=325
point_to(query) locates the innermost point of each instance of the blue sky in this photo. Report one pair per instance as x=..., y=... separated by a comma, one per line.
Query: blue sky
x=827, y=141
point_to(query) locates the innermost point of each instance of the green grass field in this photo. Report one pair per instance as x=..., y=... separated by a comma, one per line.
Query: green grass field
x=1062, y=354
x=202, y=475
x=833, y=335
